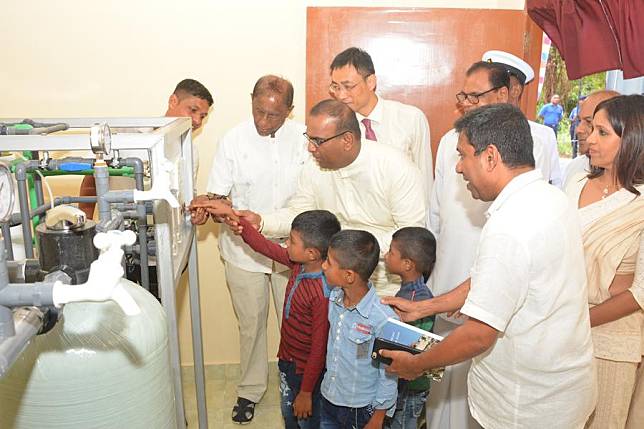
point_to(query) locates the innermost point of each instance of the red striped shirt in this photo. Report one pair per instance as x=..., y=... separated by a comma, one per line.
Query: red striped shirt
x=305, y=331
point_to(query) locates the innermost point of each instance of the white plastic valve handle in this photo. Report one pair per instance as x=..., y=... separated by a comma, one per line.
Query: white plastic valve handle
x=105, y=275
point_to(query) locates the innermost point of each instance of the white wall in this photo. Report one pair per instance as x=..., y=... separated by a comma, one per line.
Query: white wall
x=123, y=57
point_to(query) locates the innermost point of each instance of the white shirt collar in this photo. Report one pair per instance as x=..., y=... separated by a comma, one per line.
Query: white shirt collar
x=375, y=115
x=515, y=185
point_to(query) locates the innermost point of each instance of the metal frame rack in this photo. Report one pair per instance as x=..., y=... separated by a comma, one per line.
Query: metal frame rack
x=166, y=143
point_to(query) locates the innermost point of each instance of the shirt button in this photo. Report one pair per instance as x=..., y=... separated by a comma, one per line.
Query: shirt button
x=337, y=338
x=338, y=331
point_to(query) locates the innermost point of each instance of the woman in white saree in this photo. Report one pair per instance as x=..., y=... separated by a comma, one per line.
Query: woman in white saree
x=611, y=207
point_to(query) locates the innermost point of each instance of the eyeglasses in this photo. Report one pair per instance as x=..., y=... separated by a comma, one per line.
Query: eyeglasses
x=473, y=97
x=318, y=141
x=337, y=88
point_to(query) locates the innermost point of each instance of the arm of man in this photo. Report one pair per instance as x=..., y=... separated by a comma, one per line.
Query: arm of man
x=468, y=340
x=221, y=179
x=422, y=153
x=303, y=405
x=278, y=223
x=408, y=311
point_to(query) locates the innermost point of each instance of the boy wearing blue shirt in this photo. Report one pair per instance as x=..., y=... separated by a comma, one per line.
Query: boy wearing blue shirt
x=356, y=391
x=411, y=255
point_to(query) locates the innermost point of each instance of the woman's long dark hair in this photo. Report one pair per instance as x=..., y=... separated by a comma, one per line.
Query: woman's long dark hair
x=626, y=116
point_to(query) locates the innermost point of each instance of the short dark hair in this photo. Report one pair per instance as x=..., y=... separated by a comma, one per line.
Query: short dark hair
x=356, y=250
x=271, y=84
x=357, y=58
x=316, y=227
x=626, y=116
x=503, y=126
x=497, y=74
x=418, y=245
x=194, y=89
x=345, y=118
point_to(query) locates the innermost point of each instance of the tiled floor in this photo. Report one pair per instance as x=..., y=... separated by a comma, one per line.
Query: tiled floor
x=221, y=382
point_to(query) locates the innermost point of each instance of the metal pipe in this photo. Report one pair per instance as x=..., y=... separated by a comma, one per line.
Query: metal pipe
x=23, y=197
x=6, y=234
x=28, y=322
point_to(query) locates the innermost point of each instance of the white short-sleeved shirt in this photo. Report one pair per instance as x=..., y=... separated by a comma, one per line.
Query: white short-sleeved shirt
x=456, y=218
x=529, y=283
x=404, y=127
x=260, y=174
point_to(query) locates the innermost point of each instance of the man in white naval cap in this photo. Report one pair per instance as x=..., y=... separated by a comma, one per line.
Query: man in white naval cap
x=456, y=219
x=521, y=74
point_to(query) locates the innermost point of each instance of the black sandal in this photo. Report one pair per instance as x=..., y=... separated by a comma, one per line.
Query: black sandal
x=243, y=411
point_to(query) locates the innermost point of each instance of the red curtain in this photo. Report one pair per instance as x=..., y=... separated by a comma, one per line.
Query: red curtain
x=594, y=35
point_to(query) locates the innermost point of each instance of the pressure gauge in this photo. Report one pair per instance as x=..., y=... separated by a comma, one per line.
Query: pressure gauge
x=100, y=139
x=7, y=192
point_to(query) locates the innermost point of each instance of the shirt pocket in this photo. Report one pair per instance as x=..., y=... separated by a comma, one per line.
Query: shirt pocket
x=361, y=344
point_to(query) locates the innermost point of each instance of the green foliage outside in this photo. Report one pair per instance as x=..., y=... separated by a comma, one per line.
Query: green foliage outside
x=556, y=82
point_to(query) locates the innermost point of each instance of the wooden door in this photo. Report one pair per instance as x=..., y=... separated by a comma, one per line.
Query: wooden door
x=420, y=55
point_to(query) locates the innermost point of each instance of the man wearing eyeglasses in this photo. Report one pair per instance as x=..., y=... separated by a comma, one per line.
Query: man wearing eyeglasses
x=522, y=74
x=353, y=82
x=256, y=167
x=457, y=220
x=372, y=187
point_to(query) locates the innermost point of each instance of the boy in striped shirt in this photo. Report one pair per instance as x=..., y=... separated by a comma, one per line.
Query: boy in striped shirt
x=305, y=326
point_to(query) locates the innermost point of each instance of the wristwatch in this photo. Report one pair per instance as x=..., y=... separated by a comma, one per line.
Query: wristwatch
x=212, y=196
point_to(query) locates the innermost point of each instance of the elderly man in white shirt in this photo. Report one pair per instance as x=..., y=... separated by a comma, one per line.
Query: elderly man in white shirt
x=527, y=328
x=522, y=74
x=585, y=127
x=353, y=82
x=457, y=219
x=368, y=186
x=256, y=166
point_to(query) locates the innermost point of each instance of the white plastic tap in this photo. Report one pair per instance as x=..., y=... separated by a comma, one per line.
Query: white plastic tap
x=160, y=188
x=105, y=275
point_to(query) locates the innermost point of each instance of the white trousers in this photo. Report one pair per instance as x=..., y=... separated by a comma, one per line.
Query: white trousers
x=447, y=406
x=250, y=293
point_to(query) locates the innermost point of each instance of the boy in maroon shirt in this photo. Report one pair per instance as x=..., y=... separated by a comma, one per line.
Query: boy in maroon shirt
x=305, y=325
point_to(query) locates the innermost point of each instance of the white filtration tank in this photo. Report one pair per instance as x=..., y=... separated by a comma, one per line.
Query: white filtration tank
x=97, y=368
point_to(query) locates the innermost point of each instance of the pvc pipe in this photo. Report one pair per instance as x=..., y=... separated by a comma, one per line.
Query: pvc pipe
x=6, y=233
x=23, y=197
x=16, y=217
x=101, y=178
x=28, y=322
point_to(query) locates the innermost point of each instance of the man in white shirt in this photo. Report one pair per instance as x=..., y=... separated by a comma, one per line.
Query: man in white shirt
x=256, y=166
x=522, y=74
x=528, y=327
x=581, y=163
x=457, y=219
x=190, y=98
x=353, y=82
x=367, y=185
